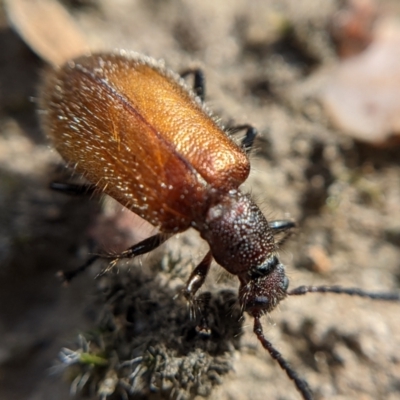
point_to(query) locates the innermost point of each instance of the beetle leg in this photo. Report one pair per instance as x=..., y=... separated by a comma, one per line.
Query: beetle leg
x=67, y=276
x=145, y=246
x=203, y=303
x=197, y=277
x=282, y=227
x=199, y=86
x=248, y=140
x=73, y=189
x=194, y=283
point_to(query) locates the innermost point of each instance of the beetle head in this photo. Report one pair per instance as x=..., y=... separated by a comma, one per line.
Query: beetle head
x=263, y=287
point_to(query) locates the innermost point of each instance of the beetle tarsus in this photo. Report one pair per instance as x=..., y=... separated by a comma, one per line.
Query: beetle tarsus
x=67, y=276
x=203, y=327
x=143, y=247
x=73, y=189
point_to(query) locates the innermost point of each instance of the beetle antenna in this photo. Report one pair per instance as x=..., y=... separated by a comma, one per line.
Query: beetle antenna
x=301, y=384
x=349, y=291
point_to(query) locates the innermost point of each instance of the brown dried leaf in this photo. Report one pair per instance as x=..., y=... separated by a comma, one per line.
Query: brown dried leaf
x=57, y=40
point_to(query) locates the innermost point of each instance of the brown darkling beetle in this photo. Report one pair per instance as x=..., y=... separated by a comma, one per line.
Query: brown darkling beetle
x=137, y=133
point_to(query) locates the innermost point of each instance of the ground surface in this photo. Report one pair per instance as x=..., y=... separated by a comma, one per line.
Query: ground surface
x=345, y=196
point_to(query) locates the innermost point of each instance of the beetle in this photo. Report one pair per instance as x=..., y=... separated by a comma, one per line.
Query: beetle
x=139, y=134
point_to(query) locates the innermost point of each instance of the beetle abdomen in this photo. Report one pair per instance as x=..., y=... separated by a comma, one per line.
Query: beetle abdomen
x=136, y=132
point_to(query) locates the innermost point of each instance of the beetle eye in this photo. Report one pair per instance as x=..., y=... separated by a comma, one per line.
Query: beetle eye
x=258, y=302
x=265, y=268
x=285, y=283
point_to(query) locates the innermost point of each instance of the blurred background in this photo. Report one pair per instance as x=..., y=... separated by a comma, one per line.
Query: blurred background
x=321, y=83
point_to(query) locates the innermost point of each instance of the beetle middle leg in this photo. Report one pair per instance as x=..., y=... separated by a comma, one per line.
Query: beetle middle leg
x=138, y=249
x=73, y=189
x=199, y=86
x=250, y=135
x=143, y=247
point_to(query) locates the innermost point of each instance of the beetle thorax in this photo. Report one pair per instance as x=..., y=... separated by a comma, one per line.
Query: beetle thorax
x=238, y=233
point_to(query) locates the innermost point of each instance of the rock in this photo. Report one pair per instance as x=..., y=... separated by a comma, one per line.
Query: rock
x=362, y=95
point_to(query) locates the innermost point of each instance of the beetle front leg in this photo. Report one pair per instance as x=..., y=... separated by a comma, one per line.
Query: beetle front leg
x=194, y=283
x=197, y=277
x=282, y=230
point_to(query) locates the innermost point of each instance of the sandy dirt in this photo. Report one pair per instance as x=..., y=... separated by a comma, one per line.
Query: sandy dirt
x=264, y=65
